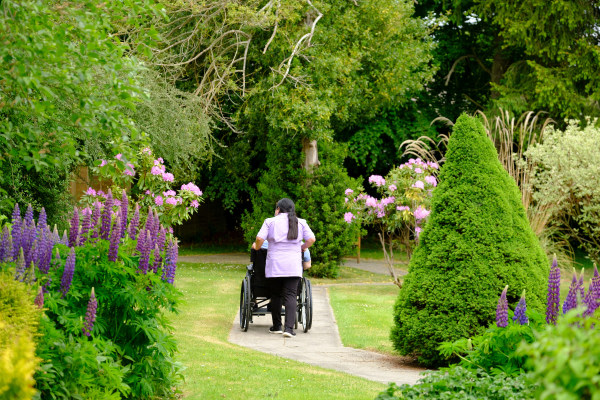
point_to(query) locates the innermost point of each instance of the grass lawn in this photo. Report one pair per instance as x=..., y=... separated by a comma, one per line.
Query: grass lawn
x=217, y=369
x=365, y=315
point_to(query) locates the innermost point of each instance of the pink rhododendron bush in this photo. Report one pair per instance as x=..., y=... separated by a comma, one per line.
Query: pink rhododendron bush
x=400, y=210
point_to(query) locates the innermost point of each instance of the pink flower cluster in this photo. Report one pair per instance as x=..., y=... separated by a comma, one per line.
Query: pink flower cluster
x=192, y=188
x=378, y=180
x=418, y=164
x=348, y=217
x=421, y=213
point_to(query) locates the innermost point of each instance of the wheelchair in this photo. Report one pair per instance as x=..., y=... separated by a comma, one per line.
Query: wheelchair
x=255, y=297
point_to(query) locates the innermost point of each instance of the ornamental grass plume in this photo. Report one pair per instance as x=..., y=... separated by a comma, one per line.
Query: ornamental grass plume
x=552, y=307
x=106, y=216
x=135, y=221
x=124, y=211
x=67, y=276
x=90, y=315
x=502, y=310
x=74, y=229
x=520, y=315
x=115, y=238
x=571, y=299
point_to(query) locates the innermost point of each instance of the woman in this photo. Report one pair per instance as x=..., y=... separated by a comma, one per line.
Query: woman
x=285, y=233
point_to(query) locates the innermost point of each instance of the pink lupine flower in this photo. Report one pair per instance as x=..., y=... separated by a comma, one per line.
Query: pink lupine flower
x=168, y=177
x=158, y=200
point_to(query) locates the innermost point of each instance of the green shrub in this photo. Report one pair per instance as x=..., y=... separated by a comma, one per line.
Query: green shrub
x=458, y=383
x=564, y=358
x=18, y=324
x=495, y=351
x=477, y=240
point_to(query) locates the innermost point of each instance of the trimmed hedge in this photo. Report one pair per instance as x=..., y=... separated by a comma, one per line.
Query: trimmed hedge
x=477, y=240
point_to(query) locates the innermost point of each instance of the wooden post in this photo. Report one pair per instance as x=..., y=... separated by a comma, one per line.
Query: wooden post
x=358, y=251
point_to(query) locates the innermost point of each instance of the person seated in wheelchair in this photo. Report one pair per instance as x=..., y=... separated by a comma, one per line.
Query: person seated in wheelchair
x=283, y=269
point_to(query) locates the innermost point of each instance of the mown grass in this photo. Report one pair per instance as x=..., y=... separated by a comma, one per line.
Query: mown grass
x=364, y=315
x=217, y=369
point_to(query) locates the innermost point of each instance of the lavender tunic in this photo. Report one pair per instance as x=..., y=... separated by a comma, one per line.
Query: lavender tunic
x=284, y=256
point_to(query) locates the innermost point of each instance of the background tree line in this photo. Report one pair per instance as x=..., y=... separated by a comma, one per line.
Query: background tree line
x=234, y=94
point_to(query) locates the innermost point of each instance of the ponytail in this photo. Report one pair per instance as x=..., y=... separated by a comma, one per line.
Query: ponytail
x=287, y=206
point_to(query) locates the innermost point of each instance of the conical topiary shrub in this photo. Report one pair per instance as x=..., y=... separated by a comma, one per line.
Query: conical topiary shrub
x=476, y=242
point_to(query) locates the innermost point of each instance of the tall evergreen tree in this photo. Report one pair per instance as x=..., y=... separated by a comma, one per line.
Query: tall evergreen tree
x=477, y=241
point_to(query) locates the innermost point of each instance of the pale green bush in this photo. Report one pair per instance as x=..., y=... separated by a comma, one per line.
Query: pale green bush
x=567, y=180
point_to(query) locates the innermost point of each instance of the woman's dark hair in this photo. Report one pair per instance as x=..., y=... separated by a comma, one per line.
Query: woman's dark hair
x=287, y=206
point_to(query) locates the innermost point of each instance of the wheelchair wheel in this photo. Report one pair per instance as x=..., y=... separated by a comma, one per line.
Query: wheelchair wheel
x=309, y=306
x=305, y=311
x=245, y=304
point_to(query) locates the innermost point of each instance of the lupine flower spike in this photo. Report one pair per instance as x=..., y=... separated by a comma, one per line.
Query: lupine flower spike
x=39, y=299
x=115, y=237
x=124, y=210
x=20, y=267
x=135, y=221
x=553, y=293
x=520, y=316
x=106, y=216
x=90, y=315
x=581, y=287
x=502, y=310
x=68, y=272
x=571, y=300
x=145, y=254
x=74, y=230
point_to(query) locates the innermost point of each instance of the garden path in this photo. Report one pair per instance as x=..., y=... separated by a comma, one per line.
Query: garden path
x=322, y=345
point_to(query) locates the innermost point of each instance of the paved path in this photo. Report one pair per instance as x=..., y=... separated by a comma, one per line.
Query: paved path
x=321, y=345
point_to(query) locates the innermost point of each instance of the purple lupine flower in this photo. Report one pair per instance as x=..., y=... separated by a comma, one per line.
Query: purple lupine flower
x=42, y=220
x=552, y=306
x=155, y=227
x=170, y=264
x=5, y=245
x=590, y=301
x=145, y=254
x=86, y=224
x=106, y=216
x=27, y=239
x=133, y=225
x=45, y=257
x=157, y=260
x=31, y=255
x=520, y=315
x=115, y=237
x=67, y=277
x=502, y=310
x=596, y=284
x=29, y=214
x=16, y=214
x=90, y=315
x=162, y=238
x=74, y=231
x=16, y=236
x=141, y=241
x=65, y=238
x=149, y=225
x=20, y=267
x=39, y=299
x=571, y=299
x=581, y=286
x=56, y=260
x=95, y=217
x=124, y=210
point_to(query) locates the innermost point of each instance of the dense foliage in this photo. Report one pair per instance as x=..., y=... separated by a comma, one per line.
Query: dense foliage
x=476, y=241
x=19, y=320
x=565, y=181
x=105, y=288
